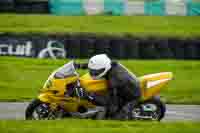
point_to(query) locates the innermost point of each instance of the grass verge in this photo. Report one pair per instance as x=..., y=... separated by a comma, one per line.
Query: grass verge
x=90, y=126
x=176, y=26
x=21, y=78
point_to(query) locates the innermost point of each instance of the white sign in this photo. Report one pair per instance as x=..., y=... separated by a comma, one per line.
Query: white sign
x=54, y=50
x=19, y=49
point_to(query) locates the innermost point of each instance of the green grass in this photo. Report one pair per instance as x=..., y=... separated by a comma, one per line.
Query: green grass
x=182, y=26
x=20, y=79
x=91, y=126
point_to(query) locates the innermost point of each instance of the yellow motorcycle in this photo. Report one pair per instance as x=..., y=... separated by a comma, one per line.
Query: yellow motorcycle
x=56, y=99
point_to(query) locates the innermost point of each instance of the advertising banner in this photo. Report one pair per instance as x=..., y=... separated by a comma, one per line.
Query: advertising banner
x=30, y=46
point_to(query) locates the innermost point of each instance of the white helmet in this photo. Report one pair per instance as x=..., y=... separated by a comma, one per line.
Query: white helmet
x=99, y=65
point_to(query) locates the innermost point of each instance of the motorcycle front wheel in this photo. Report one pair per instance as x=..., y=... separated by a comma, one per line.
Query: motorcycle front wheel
x=38, y=110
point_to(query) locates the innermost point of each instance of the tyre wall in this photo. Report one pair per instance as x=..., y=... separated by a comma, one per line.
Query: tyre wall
x=86, y=45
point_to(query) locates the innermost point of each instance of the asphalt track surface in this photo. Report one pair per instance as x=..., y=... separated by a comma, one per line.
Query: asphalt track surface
x=16, y=111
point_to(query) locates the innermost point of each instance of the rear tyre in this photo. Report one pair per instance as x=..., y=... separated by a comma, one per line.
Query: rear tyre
x=159, y=113
x=152, y=109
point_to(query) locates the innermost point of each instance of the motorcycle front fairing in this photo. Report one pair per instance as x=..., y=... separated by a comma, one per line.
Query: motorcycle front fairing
x=55, y=86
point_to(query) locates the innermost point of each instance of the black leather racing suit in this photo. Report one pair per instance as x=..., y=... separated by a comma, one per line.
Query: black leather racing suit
x=123, y=89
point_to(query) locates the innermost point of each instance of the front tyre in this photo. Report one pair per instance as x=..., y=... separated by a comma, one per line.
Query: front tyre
x=34, y=110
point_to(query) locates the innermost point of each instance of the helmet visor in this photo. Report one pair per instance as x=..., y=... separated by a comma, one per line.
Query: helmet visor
x=95, y=73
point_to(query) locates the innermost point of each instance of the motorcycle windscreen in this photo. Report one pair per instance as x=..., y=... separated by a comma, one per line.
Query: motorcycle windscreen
x=152, y=84
x=92, y=85
x=67, y=70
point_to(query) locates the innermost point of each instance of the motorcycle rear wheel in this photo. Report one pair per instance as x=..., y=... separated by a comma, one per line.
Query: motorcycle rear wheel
x=156, y=115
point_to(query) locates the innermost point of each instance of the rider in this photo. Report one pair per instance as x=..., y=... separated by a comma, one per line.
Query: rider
x=123, y=86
